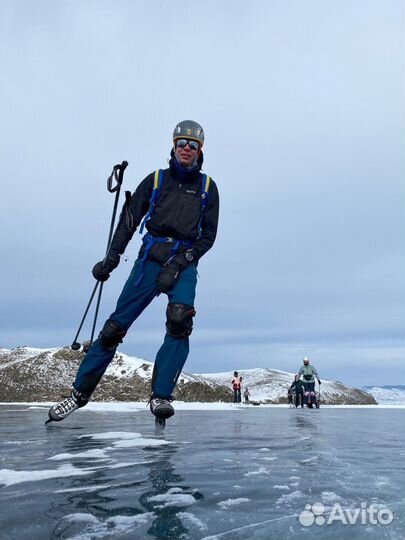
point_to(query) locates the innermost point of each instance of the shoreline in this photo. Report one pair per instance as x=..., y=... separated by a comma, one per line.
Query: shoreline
x=119, y=406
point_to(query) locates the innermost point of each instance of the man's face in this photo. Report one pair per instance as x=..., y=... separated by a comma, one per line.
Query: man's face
x=186, y=152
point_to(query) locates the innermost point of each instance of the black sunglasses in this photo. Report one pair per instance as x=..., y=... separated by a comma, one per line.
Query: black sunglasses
x=182, y=143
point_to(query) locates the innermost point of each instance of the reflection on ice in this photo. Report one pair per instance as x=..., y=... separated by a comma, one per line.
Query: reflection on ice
x=241, y=476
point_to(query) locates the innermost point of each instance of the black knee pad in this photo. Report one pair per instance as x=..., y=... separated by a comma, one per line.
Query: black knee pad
x=179, y=323
x=111, y=335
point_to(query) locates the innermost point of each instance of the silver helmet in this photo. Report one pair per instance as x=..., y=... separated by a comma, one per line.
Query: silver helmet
x=188, y=129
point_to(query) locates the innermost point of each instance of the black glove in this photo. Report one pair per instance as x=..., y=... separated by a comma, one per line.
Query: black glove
x=167, y=278
x=102, y=270
x=319, y=381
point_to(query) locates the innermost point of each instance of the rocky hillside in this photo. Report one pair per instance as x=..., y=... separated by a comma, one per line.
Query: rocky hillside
x=28, y=374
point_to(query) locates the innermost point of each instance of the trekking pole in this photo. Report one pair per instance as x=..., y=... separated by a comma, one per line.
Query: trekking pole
x=118, y=175
x=319, y=394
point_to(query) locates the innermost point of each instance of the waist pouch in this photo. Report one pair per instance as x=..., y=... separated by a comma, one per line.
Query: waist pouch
x=308, y=377
x=159, y=252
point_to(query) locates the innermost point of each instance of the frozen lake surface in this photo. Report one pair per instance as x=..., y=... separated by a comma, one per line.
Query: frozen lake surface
x=242, y=473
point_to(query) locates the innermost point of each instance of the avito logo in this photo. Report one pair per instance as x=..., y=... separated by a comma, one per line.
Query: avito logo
x=365, y=515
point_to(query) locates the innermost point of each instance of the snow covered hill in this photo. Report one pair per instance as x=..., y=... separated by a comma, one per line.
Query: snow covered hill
x=387, y=395
x=30, y=374
x=270, y=386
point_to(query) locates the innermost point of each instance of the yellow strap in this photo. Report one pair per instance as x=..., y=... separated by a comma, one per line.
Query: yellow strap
x=207, y=183
x=156, y=182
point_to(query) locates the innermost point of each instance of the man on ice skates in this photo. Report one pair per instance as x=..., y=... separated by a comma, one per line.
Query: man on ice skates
x=308, y=373
x=179, y=207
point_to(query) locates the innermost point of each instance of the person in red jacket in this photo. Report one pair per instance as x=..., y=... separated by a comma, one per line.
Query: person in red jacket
x=237, y=386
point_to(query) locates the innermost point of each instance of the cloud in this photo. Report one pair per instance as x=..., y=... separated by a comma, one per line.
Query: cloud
x=303, y=111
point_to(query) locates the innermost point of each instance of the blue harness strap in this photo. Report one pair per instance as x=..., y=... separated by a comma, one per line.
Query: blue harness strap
x=205, y=186
x=157, y=185
x=148, y=240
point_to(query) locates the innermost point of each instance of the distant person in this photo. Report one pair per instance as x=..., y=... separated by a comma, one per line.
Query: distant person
x=296, y=392
x=237, y=387
x=246, y=395
x=179, y=207
x=308, y=373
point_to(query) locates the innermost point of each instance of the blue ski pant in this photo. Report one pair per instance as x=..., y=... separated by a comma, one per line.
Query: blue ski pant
x=133, y=299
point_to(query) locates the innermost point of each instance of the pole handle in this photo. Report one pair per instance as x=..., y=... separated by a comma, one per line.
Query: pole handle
x=117, y=174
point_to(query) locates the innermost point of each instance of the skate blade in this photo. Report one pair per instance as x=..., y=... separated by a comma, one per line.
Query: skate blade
x=50, y=420
x=160, y=422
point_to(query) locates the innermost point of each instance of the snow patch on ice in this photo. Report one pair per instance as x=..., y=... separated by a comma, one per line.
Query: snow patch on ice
x=9, y=477
x=127, y=439
x=95, y=453
x=294, y=481
x=84, y=488
x=122, y=465
x=173, y=497
x=330, y=496
x=262, y=470
x=112, y=527
x=140, y=442
x=281, y=487
x=191, y=519
x=129, y=521
x=18, y=443
x=310, y=460
x=37, y=407
x=289, y=498
x=81, y=517
x=382, y=481
x=232, y=502
x=111, y=435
